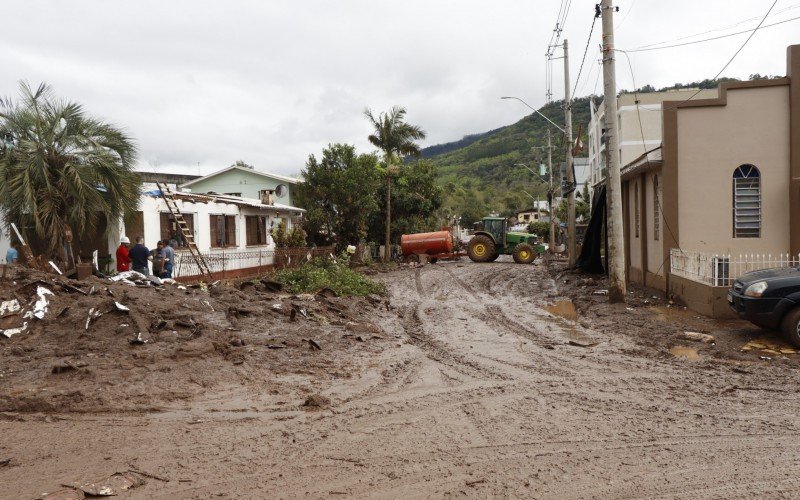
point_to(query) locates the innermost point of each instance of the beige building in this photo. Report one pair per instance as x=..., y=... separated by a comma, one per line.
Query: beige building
x=721, y=196
x=633, y=110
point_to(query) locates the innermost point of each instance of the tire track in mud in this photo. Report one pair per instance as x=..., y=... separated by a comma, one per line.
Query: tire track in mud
x=418, y=282
x=439, y=351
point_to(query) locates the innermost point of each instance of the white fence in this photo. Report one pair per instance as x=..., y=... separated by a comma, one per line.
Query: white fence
x=222, y=260
x=722, y=270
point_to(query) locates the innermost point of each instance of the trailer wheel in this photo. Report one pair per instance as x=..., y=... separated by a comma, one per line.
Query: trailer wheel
x=524, y=254
x=481, y=248
x=433, y=260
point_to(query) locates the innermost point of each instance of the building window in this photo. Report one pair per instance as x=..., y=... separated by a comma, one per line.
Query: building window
x=171, y=231
x=256, y=227
x=223, y=231
x=636, y=208
x=746, y=202
x=656, y=209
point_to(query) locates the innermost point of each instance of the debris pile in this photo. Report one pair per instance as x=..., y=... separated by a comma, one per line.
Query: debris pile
x=135, y=344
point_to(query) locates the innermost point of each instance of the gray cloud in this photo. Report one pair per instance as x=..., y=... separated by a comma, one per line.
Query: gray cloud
x=201, y=84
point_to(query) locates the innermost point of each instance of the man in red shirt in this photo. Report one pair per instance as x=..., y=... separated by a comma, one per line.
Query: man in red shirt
x=123, y=260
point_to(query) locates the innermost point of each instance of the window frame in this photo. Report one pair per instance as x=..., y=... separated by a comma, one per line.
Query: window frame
x=228, y=228
x=746, y=202
x=256, y=230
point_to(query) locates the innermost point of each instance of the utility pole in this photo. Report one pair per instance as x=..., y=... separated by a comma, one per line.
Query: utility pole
x=616, y=263
x=570, y=172
x=551, y=194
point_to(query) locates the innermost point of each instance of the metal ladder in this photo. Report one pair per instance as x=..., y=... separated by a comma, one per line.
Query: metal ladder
x=188, y=237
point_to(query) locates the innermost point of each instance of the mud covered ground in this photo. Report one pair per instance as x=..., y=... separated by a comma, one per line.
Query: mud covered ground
x=474, y=380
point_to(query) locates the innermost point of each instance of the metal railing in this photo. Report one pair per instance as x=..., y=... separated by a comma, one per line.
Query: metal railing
x=221, y=260
x=722, y=270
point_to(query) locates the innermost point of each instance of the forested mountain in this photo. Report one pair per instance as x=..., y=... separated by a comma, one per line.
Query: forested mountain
x=480, y=174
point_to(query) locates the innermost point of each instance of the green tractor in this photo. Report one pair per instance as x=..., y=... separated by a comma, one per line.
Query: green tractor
x=492, y=238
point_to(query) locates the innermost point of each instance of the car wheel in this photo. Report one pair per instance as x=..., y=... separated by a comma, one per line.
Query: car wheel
x=791, y=326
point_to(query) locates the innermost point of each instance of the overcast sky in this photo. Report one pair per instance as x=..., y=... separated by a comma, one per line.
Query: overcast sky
x=200, y=84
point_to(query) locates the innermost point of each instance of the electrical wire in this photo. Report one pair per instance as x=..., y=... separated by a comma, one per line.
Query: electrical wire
x=585, y=51
x=738, y=50
x=752, y=31
x=786, y=9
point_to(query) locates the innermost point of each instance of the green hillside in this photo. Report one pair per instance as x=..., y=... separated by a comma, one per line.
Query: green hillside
x=479, y=175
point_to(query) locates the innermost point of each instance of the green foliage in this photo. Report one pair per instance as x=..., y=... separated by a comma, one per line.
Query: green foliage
x=339, y=194
x=540, y=229
x=294, y=237
x=60, y=167
x=484, y=176
x=581, y=209
x=416, y=202
x=335, y=274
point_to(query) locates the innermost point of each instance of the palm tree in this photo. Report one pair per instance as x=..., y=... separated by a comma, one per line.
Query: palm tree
x=62, y=170
x=396, y=139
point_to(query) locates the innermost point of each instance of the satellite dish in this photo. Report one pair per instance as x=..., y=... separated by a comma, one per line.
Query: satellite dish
x=281, y=190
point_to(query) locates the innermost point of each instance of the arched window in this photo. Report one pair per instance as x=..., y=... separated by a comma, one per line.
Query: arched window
x=746, y=202
x=636, y=207
x=656, y=209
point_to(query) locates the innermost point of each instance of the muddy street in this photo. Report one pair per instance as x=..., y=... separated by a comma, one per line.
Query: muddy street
x=483, y=380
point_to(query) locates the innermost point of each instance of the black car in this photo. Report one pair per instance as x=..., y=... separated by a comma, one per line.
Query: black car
x=770, y=299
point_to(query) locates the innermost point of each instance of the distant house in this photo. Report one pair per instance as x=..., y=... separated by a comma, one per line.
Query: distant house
x=232, y=232
x=720, y=195
x=535, y=213
x=246, y=183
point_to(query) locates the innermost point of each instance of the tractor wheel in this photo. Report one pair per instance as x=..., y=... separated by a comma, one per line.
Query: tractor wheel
x=494, y=257
x=524, y=254
x=481, y=248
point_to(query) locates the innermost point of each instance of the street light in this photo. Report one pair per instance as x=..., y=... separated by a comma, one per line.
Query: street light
x=534, y=173
x=537, y=112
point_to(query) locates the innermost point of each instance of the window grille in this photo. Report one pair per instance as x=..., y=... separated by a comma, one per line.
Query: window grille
x=746, y=202
x=656, y=209
x=636, y=208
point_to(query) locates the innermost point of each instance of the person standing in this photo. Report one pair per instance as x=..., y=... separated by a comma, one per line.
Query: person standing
x=12, y=255
x=123, y=259
x=168, y=259
x=158, y=261
x=139, y=255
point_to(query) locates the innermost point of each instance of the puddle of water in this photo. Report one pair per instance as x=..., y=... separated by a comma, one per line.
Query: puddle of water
x=564, y=308
x=685, y=352
x=770, y=344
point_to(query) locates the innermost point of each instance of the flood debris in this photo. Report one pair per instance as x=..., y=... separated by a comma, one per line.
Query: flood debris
x=112, y=485
x=63, y=494
x=94, y=313
x=272, y=286
x=121, y=307
x=582, y=343
x=314, y=345
x=138, y=339
x=67, y=366
x=699, y=337
x=600, y=292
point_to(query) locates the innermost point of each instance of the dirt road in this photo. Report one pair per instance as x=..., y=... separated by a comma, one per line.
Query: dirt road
x=476, y=390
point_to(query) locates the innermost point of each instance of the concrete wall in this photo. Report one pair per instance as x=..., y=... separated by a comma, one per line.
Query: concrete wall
x=709, y=300
x=753, y=128
x=635, y=242
x=655, y=252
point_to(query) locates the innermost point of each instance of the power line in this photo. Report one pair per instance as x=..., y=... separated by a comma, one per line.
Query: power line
x=716, y=37
x=739, y=50
x=585, y=51
x=723, y=28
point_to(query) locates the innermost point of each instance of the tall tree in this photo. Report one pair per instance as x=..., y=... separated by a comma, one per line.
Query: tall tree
x=417, y=200
x=60, y=168
x=338, y=193
x=395, y=138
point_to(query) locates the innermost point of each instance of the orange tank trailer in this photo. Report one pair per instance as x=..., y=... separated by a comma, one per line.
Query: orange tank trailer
x=434, y=244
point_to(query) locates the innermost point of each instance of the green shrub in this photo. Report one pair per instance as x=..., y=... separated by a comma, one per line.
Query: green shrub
x=331, y=273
